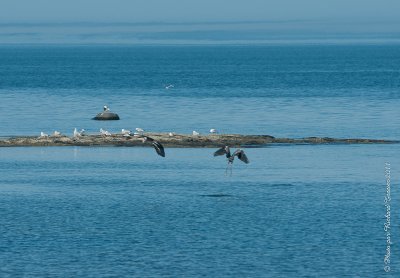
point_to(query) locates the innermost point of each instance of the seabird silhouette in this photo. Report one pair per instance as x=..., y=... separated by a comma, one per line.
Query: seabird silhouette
x=157, y=145
x=231, y=157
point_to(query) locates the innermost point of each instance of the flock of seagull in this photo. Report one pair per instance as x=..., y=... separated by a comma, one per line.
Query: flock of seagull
x=124, y=132
x=157, y=145
x=239, y=153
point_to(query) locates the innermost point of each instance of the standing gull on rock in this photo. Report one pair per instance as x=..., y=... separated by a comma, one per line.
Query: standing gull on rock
x=43, y=135
x=125, y=132
x=106, y=115
x=104, y=132
x=139, y=130
x=78, y=133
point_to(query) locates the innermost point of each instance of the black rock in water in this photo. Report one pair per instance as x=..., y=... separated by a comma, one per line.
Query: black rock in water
x=106, y=116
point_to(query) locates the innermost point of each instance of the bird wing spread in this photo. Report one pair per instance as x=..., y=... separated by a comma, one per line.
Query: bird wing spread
x=159, y=148
x=149, y=139
x=221, y=151
x=241, y=155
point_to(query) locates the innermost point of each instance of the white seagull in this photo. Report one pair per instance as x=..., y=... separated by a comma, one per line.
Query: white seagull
x=195, y=133
x=213, y=130
x=104, y=132
x=77, y=133
x=171, y=134
x=43, y=135
x=105, y=108
x=56, y=133
x=140, y=130
x=126, y=133
x=170, y=86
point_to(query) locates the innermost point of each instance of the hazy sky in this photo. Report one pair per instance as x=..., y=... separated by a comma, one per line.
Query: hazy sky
x=200, y=21
x=195, y=10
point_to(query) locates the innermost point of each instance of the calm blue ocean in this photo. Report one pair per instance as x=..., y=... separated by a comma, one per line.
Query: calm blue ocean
x=294, y=211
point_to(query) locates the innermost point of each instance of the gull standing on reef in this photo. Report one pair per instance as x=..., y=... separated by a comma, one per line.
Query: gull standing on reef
x=195, y=133
x=43, y=135
x=213, y=130
x=171, y=134
x=105, y=108
x=57, y=133
x=157, y=145
x=126, y=132
x=77, y=133
x=227, y=152
x=104, y=132
x=170, y=86
x=140, y=130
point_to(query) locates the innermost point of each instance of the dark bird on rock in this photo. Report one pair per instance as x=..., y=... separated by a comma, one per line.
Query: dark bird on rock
x=231, y=157
x=157, y=145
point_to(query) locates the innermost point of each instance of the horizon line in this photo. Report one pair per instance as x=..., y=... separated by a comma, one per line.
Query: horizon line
x=200, y=22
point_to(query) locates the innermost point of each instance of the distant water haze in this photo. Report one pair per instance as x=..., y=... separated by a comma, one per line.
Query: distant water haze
x=191, y=10
x=198, y=22
x=317, y=31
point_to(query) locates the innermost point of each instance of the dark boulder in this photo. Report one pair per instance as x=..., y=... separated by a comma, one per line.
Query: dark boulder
x=106, y=116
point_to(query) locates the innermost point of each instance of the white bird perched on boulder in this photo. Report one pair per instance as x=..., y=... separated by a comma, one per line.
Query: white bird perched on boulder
x=104, y=132
x=213, y=130
x=195, y=133
x=171, y=134
x=126, y=132
x=57, y=133
x=105, y=108
x=43, y=135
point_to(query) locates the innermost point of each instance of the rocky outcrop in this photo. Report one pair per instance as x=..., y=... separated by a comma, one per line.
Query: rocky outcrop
x=106, y=116
x=179, y=140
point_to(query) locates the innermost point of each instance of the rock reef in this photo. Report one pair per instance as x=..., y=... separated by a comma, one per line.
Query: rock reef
x=179, y=140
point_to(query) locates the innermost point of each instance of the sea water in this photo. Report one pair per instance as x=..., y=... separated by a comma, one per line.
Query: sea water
x=295, y=210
